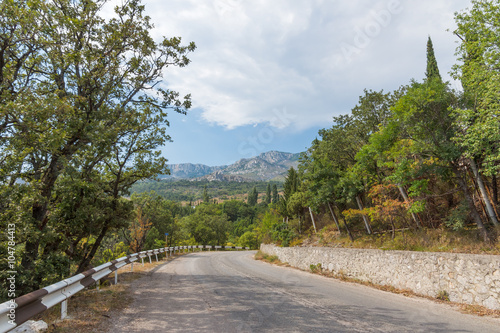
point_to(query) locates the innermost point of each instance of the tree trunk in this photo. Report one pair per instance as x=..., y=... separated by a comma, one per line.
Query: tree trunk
x=407, y=200
x=365, y=219
x=85, y=262
x=472, y=206
x=347, y=228
x=334, y=217
x=312, y=218
x=393, y=228
x=484, y=194
x=494, y=189
x=300, y=223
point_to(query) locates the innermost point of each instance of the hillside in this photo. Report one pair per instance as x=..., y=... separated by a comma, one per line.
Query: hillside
x=189, y=170
x=272, y=165
x=183, y=190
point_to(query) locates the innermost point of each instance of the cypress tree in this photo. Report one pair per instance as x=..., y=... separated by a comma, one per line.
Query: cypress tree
x=206, y=197
x=276, y=197
x=252, y=197
x=432, y=66
x=268, y=194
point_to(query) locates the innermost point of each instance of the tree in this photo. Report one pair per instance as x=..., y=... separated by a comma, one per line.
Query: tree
x=249, y=239
x=252, y=197
x=268, y=194
x=206, y=197
x=276, y=197
x=138, y=231
x=432, y=71
x=208, y=225
x=424, y=116
x=479, y=133
x=327, y=167
x=291, y=183
x=95, y=113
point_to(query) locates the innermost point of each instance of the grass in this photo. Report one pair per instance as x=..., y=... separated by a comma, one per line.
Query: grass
x=90, y=309
x=270, y=259
x=427, y=240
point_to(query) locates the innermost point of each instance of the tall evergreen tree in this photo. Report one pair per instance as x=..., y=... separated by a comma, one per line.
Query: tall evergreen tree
x=432, y=67
x=291, y=183
x=253, y=196
x=276, y=197
x=206, y=197
x=268, y=194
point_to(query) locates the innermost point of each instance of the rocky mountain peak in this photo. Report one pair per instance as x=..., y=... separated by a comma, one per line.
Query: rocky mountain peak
x=271, y=165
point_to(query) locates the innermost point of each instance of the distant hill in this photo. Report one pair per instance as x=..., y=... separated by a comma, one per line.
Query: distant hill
x=272, y=165
x=189, y=170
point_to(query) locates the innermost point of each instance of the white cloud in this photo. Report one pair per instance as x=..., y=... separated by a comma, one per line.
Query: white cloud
x=254, y=57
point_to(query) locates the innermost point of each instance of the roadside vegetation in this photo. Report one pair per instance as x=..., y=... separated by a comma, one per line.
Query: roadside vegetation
x=80, y=138
x=412, y=169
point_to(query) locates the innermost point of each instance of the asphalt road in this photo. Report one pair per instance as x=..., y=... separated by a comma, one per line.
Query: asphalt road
x=232, y=292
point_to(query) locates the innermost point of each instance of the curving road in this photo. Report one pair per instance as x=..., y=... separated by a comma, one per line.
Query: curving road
x=231, y=292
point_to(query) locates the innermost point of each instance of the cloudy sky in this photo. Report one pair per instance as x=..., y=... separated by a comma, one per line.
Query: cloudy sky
x=267, y=74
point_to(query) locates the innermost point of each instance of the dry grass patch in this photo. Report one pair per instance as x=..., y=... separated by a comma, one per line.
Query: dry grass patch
x=270, y=259
x=426, y=240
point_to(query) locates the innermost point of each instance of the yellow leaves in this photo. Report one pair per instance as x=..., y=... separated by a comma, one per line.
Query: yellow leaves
x=138, y=231
x=430, y=161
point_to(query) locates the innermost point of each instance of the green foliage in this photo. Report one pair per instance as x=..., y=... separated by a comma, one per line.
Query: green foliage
x=266, y=223
x=296, y=203
x=291, y=185
x=276, y=197
x=208, y=225
x=252, y=197
x=282, y=233
x=443, y=295
x=117, y=251
x=206, y=197
x=268, y=197
x=80, y=123
x=457, y=218
x=432, y=71
x=249, y=239
x=417, y=142
x=315, y=268
x=192, y=190
x=479, y=30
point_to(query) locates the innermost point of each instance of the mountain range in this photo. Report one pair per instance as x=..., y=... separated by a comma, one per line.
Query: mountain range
x=272, y=165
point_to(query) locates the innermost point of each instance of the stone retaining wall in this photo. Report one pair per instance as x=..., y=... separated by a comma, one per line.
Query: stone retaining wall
x=467, y=278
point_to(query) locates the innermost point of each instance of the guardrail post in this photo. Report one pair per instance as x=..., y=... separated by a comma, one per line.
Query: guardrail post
x=132, y=266
x=150, y=260
x=116, y=276
x=142, y=261
x=98, y=285
x=156, y=255
x=64, y=309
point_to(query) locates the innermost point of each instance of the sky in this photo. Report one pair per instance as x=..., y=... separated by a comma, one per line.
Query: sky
x=268, y=74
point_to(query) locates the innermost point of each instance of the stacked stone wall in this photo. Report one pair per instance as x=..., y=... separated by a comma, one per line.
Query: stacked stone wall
x=466, y=278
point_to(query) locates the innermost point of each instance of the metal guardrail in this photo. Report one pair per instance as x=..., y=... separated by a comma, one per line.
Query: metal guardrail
x=17, y=311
